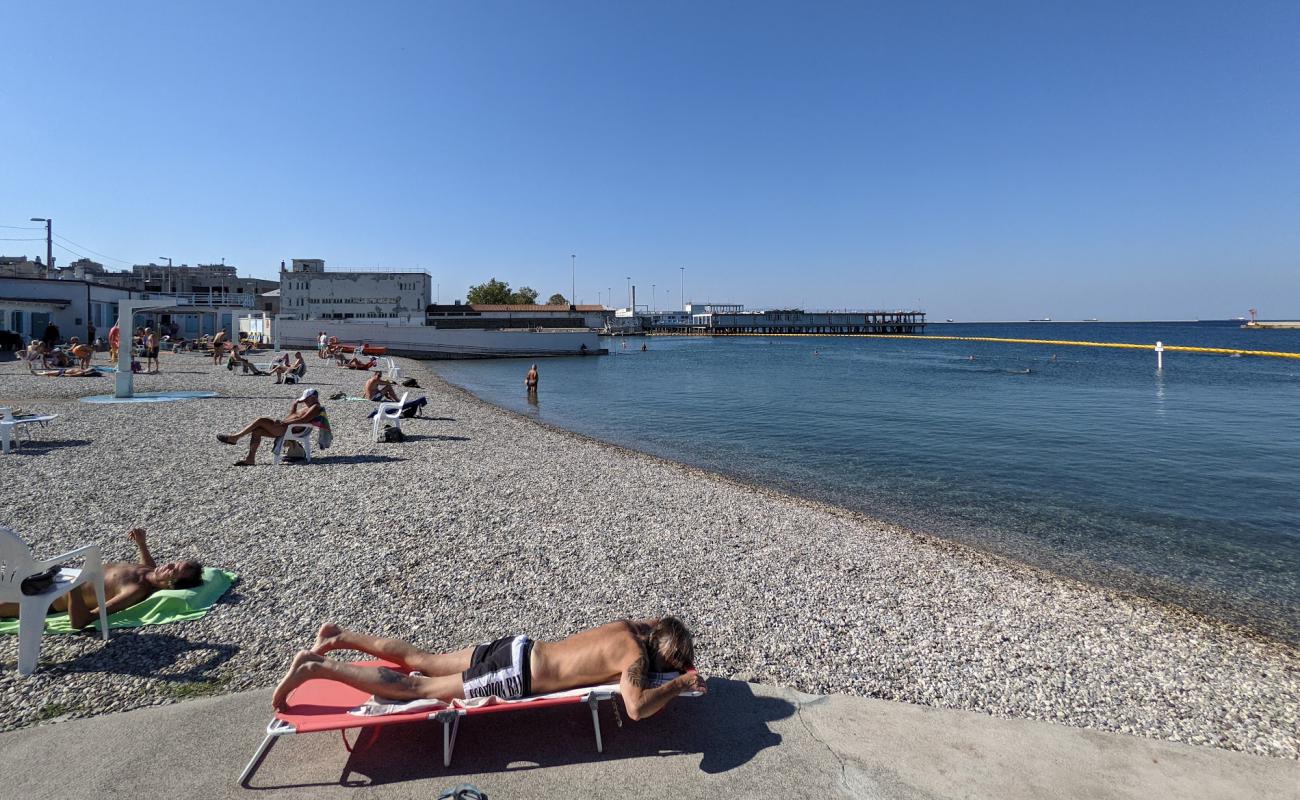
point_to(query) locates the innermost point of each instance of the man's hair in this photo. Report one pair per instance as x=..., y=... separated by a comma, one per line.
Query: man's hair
x=191, y=575
x=672, y=643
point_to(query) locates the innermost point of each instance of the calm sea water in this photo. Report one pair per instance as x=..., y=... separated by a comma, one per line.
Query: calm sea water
x=1182, y=484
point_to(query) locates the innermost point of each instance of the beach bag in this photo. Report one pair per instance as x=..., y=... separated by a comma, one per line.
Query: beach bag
x=410, y=383
x=392, y=434
x=40, y=582
x=293, y=449
x=414, y=407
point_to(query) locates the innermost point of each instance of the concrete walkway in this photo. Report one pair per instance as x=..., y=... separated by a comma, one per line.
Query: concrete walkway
x=743, y=740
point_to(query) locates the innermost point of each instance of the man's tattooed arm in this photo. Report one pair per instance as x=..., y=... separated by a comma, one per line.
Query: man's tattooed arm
x=636, y=674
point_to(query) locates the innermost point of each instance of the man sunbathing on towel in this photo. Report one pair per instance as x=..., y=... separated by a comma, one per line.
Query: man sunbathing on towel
x=627, y=651
x=304, y=410
x=356, y=363
x=378, y=389
x=124, y=585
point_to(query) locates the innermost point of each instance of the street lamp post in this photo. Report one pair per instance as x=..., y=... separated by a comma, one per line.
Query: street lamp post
x=573, y=282
x=49, y=240
x=683, y=269
x=654, y=302
x=171, y=276
x=629, y=295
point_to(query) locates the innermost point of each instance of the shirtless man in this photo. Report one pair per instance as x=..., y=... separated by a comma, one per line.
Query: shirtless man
x=114, y=339
x=124, y=585
x=530, y=380
x=83, y=352
x=304, y=410
x=151, y=350
x=628, y=651
x=218, y=346
x=356, y=363
x=378, y=389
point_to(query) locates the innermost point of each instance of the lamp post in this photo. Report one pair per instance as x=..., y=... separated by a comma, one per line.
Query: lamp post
x=629, y=295
x=171, y=276
x=573, y=271
x=683, y=269
x=49, y=240
x=654, y=302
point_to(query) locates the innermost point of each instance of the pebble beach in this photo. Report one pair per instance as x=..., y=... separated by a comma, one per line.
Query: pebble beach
x=485, y=523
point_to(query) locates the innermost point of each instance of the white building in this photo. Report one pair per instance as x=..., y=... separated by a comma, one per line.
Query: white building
x=308, y=291
x=78, y=308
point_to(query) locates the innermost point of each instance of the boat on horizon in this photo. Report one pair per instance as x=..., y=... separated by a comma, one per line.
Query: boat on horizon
x=1044, y=319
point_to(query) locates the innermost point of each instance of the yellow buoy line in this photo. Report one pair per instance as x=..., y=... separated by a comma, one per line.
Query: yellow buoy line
x=1053, y=342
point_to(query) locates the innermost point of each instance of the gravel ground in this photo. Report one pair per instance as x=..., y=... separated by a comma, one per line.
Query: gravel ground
x=485, y=523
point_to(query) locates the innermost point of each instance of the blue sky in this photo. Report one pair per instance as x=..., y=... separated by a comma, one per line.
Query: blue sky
x=982, y=160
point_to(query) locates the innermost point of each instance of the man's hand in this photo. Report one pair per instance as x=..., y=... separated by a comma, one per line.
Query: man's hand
x=693, y=682
x=137, y=535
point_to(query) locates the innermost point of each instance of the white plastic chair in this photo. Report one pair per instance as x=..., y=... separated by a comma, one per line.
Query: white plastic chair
x=300, y=433
x=17, y=563
x=10, y=425
x=394, y=371
x=388, y=412
x=294, y=377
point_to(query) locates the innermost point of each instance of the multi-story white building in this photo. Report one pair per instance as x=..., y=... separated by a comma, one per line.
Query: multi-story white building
x=308, y=291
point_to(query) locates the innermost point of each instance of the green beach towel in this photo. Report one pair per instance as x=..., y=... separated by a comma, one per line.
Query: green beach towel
x=159, y=608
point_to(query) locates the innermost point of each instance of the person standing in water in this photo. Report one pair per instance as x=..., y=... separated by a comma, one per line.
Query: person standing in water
x=530, y=380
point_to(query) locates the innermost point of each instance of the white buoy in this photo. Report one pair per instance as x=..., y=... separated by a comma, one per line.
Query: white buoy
x=1160, y=355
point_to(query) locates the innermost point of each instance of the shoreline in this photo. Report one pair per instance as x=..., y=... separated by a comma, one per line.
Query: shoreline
x=781, y=589
x=959, y=546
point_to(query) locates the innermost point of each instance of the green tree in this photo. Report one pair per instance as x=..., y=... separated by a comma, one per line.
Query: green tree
x=524, y=297
x=557, y=299
x=494, y=292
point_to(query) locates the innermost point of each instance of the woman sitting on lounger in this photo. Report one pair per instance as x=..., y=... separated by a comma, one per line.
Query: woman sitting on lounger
x=124, y=585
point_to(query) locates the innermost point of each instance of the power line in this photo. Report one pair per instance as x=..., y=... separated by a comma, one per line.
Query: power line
x=88, y=250
x=23, y=227
x=40, y=239
x=70, y=250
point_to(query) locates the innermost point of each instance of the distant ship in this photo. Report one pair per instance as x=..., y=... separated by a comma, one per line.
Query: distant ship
x=1092, y=319
x=948, y=320
x=1044, y=319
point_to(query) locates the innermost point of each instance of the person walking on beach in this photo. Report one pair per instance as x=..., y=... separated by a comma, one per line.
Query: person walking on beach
x=124, y=585
x=628, y=651
x=151, y=351
x=306, y=410
x=530, y=380
x=114, y=340
x=218, y=345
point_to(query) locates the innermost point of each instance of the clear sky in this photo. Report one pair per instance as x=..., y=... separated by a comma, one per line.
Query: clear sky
x=981, y=160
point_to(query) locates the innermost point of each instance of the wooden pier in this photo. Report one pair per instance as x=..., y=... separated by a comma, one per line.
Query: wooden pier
x=824, y=323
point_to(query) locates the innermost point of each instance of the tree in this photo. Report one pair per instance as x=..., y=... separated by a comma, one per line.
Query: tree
x=494, y=292
x=557, y=299
x=497, y=293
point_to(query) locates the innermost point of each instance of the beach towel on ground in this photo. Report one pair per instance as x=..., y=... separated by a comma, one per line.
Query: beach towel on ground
x=161, y=607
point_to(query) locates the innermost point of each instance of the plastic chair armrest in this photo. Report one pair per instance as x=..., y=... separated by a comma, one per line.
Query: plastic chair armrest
x=80, y=552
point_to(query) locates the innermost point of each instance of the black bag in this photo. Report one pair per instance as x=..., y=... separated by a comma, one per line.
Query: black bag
x=40, y=582
x=413, y=407
x=410, y=383
x=392, y=434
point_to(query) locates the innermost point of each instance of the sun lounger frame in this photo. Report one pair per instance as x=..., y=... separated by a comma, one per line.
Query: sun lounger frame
x=449, y=717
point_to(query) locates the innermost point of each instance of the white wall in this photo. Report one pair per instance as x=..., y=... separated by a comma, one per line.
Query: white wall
x=73, y=319
x=386, y=295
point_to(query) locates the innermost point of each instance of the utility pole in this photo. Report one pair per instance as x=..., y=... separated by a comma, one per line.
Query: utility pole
x=683, y=269
x=573, y=271
x=49, y=241
x=171, y=276
x=629, y=295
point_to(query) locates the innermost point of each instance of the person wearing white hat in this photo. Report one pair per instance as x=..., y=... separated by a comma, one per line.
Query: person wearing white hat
x=305, y=410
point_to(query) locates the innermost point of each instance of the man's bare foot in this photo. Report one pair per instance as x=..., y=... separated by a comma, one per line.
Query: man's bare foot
x=325, y=638
x=246, y=463
x=297, y=674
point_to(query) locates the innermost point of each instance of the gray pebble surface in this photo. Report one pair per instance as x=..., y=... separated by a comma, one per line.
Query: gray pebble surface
x=485, y=523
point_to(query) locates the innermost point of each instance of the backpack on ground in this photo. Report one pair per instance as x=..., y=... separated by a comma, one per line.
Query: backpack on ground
x=392, y=434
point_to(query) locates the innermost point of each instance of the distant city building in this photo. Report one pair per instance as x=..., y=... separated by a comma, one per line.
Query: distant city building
x=22, y=267
x=309, y=291
x=485, y=316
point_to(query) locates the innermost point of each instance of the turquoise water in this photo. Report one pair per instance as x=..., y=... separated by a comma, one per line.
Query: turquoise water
x=1179, y=484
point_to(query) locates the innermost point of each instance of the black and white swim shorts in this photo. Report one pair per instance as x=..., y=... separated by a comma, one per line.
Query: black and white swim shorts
x=500, y=668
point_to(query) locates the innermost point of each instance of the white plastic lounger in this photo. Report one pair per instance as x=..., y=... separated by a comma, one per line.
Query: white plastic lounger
x=11, y=425
x=325, y=705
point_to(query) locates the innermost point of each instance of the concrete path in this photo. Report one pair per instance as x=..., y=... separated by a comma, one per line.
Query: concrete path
x=743, y=740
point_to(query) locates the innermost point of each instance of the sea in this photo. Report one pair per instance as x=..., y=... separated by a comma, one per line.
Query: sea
x=1180, y=484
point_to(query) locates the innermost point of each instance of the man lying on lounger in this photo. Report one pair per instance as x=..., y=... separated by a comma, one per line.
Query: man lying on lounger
x=628, y=651
x=356, y=363
x=124, y=585
x=305, y=410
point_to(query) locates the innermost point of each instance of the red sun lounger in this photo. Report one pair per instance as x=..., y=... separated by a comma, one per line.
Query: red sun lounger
x=323, y=705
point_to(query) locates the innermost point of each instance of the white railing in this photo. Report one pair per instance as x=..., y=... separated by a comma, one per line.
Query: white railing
x=204, y=299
